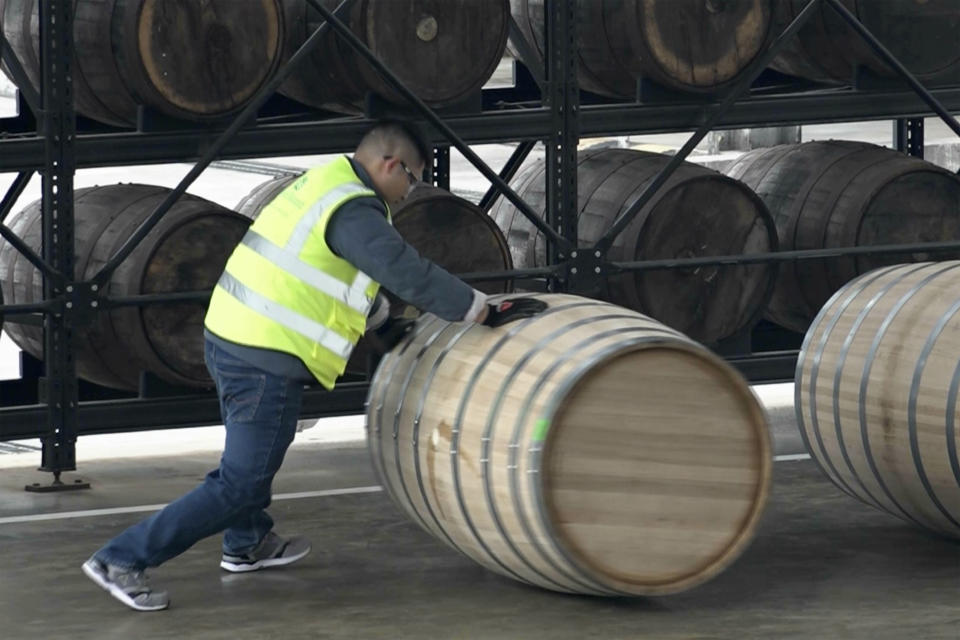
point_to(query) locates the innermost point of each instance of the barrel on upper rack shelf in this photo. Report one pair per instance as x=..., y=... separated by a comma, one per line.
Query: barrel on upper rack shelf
x=842, y=194
x=697, y=213
x=186, y=251
x=444, y=51
x=588, y=449
x=698, y=46
x=445, y=229
x=921, y=34
x=876, y=392
x=189, y=60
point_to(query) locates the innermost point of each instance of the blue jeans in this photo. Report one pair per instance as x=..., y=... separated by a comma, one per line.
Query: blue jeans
x=260, y=413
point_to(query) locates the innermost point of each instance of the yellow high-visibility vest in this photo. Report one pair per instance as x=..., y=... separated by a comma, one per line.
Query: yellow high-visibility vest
x=283, y=288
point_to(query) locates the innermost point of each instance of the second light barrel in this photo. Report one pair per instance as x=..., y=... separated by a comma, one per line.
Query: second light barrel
x=837, y=193
x=876, y=392
x=696, y=213
x=186, y=251
x=588, y=449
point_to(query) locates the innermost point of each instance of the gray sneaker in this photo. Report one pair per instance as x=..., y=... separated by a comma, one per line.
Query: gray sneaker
x=128, y=586
x=273, y=551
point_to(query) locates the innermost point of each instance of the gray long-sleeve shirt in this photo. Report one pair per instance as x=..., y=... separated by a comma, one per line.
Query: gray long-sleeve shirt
x=359, y=233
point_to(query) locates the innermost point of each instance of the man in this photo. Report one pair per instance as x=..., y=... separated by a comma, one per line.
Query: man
x=290, y=306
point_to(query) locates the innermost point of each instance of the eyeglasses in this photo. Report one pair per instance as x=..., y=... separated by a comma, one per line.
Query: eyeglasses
x=412, y=179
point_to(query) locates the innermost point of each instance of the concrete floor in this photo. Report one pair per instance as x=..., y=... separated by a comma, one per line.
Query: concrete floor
x=821, y=566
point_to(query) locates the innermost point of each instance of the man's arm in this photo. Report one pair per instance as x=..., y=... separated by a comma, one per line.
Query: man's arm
x=360, y=234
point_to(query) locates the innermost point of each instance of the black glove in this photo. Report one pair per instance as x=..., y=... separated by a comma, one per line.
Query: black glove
x=390, y=334
x=509, y=310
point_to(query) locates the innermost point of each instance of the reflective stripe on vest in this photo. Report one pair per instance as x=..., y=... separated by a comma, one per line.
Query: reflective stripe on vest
x=302, y=231
x=310, y=329
x=353, y=295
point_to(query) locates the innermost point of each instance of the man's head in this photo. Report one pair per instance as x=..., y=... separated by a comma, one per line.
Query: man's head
x=394, y=155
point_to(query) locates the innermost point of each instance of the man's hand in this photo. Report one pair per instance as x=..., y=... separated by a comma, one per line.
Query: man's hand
x=509, y=310
x=390, y=334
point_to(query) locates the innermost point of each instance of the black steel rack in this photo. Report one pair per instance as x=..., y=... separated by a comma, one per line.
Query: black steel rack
x=546, y=106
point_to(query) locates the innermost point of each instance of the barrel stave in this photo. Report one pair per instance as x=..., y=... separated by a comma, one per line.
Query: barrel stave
x=99, y=89
x=505, y=409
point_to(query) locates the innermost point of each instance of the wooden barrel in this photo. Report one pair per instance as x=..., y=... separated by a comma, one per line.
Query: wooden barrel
x=876, y=392
x=190, y=60
x=588, y=449
x=444, y=51
x=698, y=212
x=841, y=194
x=921, y=34
x=698, y=46
x=186, y=251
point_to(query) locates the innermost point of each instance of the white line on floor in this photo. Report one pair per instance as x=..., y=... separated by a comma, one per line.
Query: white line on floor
x=156, y=507
x=63, y=515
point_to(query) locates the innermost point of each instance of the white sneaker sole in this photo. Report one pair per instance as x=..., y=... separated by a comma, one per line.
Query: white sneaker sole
x=266, y=563
x=116, y=592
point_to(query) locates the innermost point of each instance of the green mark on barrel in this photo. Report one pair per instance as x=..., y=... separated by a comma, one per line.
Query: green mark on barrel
x=540, y=430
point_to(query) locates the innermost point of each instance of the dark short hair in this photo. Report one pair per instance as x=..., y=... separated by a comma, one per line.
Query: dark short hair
x=407, y=129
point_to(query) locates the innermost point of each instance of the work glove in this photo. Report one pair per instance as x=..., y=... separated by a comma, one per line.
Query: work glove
x=514, y=309
x=390, y=334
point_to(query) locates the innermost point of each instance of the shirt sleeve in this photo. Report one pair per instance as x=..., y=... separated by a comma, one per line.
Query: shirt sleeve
x=360, y=234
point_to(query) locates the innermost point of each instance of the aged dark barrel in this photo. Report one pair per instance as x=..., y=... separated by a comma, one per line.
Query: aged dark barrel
x=443, y=50
x=189, y=60
x=921, y=34
x=186, y=251
x=841, y=194
x=697, y=46
x=698, y=212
